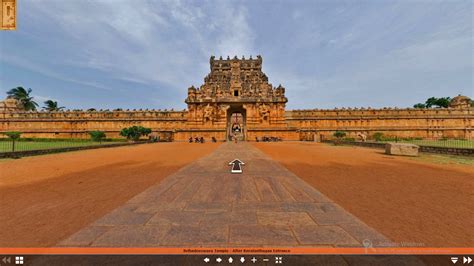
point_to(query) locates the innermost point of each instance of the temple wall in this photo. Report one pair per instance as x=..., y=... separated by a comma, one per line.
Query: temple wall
x=72, y=124
x=416, y=123
x=298, y=124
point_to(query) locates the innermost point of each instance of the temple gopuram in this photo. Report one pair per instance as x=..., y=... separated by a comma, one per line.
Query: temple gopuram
x=237, y=101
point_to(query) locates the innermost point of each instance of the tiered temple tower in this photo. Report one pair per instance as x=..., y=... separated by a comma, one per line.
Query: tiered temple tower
x=236, y=97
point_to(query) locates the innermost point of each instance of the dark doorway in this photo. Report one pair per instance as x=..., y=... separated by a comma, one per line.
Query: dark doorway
x=236, y=123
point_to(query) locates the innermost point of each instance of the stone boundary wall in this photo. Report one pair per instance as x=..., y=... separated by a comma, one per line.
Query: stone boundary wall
x=297, y=124
x=410, y=122
x=18, y=154
x=427, y=149
x=77, y=124
x=445, y=150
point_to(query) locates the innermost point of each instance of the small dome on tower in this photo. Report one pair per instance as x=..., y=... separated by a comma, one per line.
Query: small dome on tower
x=460, y=101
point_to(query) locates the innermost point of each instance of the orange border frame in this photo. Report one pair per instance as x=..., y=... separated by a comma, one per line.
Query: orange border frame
x=219, y=250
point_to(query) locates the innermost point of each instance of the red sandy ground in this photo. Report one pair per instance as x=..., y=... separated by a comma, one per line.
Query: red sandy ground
x=412, y=203
x=46, y=198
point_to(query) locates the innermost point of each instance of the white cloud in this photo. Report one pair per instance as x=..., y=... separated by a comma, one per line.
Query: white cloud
x=237, y=38
x=321, y=52
x=41, y=99
x=410, y=70
x=148, y=41
x=43, y=69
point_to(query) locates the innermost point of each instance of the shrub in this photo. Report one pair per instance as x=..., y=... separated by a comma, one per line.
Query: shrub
x=135, y=132
x=339, y=134
x=97, y=135
x=378, y=136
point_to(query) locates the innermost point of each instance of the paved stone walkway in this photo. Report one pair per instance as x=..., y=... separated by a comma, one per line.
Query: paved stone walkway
x=203, y=204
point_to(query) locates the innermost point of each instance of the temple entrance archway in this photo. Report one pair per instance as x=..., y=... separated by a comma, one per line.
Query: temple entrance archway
x=236, y=123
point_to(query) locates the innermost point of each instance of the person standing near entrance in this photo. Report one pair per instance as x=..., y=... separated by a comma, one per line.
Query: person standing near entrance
x=233, y=136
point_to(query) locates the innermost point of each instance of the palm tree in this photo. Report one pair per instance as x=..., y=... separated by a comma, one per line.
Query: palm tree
x=22, y=95
x=52, y=106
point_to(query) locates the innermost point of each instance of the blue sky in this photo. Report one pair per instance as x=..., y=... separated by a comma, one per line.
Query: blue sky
x=145, y=54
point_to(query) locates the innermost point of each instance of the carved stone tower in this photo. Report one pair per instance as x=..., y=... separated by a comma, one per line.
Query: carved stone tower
x=237, y=97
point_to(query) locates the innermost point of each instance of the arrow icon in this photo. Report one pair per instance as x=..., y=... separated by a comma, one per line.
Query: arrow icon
x=5, y=260
x=466, y=260
x=206, y=260
x=454, y=259
x=236, y=166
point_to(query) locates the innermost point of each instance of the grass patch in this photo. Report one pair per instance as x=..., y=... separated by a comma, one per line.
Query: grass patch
x=445, y=159
x=6, y=146
x=448, y=143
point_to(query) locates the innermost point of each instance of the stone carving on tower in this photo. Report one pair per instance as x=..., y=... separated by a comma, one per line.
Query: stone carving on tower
x=264, y=112
x=208, y=113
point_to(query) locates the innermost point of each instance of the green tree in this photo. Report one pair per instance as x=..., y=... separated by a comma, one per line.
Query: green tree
x=430, y=102
x=14, y=136
x=339, y=135
x=23, y=96
x=91, y=110
x=135, y=132
x=97, y=135
x=52, y=106
x=442, y=102
x=419, y=105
